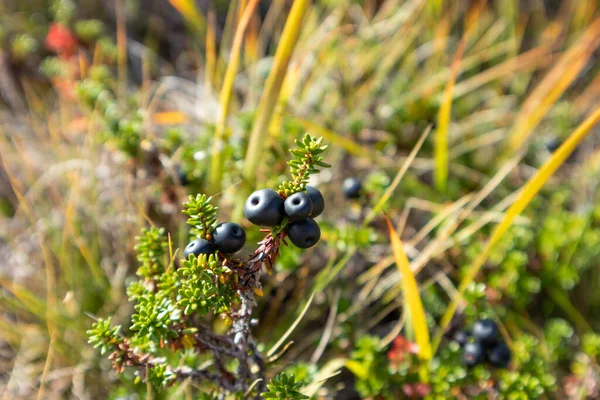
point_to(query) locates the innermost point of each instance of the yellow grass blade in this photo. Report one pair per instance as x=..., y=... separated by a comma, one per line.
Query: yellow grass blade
x=553, y=85
x=210, y=75
x=169, y=118
x=412, y=299
x=260, y=129
x=217, y=161
x=190, y=12
x=527, y=193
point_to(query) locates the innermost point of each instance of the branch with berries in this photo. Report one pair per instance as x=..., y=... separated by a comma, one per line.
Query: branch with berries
x=170, y=302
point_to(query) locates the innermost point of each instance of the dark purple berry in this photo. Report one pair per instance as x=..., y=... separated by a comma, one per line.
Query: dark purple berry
x=461, y=337
x=298, y=206
x=197, y=247
x=316, y=198
x=264, y=207
x=305, y=233
x=486, y=332
x=473, y=354
x=229, y=237
x=499, y=356
x=182, y=177
x=352, y=187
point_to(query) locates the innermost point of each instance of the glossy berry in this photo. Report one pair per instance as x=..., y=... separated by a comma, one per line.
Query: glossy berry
x=499, y=356
x=298, y=206
x=316, y=198
x=264, y=207
x=461, y=337
x=352, y=187
x=229, y=237
x=473, y=354
x=305, y=233
x=197, y=247
x=486, y=332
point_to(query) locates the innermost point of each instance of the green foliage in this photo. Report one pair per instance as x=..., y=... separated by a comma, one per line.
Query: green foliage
x=54, y=67
x=154, y=318
x=122, y=127
x=205, y=287
x=89, y=30
x=368, y=354
x=159, y=375
x=202, y=215
x=150, y=248
x=307, y=160
x=103, y=336
x=23, y=46
x=284, y=387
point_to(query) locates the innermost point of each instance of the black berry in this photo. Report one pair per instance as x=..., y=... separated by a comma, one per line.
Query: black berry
x=298, y=206
x=473, y=354
x=352, y=187
x=197, y=247
x=499, y=356
x=182, y=176
x=305, y=233
x=316, y=198
x=461, y=337
x=229, y=237
x=264, y=207
x=486, y=332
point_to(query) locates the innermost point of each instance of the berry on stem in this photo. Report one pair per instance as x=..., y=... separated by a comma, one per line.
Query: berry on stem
x=264, y=207
x=197, y=247
x=229, y=237
x=298, y=206
x=352, y=187
x=316, y=198
x=305, y=233
x=486, y=332
x=473, y=354
x=500, y=356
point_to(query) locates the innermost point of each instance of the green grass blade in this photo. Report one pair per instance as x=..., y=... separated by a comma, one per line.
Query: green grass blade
x=217, y=160
x=291, y=328
x=260, y=129
x=443, y=124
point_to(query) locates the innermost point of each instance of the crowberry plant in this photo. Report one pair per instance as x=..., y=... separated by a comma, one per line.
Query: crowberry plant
x=169, y=333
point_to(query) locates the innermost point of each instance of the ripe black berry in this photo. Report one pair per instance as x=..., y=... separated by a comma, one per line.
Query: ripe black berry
x=229, y=237
x=298, y=206
x=316, y=198
x=499, y=356
x=352, y=188
x=305, y=233
x=486, y=332
x=182, y=176
x=461, y=337
x=473, y=354
x=264, y=207
x=197, y=247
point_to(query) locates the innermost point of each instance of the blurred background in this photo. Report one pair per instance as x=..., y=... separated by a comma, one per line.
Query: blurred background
x=112, y=112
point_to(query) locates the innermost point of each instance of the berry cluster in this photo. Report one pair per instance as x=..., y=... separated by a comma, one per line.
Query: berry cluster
x=228, y=238
x=484, y=344
x=268, y=208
